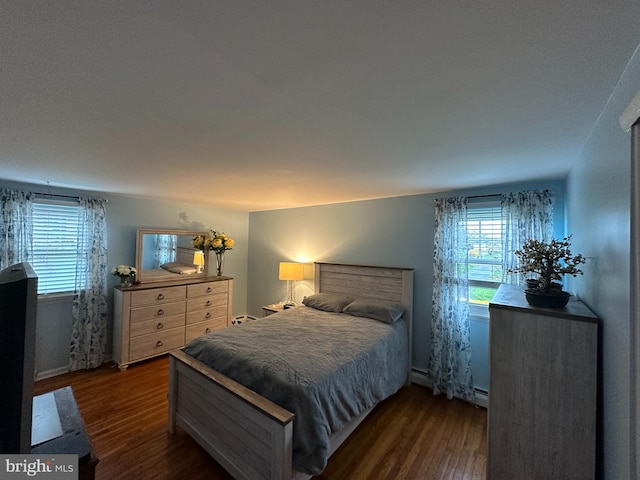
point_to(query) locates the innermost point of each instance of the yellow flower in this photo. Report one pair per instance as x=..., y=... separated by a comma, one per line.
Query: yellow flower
x=198, y=241
x=218, y=241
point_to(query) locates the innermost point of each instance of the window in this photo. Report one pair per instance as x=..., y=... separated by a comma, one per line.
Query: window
x=484, y=232
x=55, y=245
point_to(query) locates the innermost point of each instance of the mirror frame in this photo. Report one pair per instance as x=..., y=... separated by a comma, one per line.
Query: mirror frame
x=167, y=231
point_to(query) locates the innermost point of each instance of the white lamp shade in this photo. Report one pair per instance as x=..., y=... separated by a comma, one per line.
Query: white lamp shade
x=291, y=271
x=198, y=258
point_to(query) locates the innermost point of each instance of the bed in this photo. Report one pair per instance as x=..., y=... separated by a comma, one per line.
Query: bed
x=252, y=436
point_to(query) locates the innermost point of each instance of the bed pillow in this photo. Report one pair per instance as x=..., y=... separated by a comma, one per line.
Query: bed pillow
x=382, y=310
x=183, y=269
x=170, y=265
x=328, y=302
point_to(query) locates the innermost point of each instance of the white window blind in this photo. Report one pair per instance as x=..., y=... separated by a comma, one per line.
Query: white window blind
x=484, y=231
x=55, y=245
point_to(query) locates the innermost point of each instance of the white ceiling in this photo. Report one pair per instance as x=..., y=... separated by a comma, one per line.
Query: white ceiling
x=257, y=105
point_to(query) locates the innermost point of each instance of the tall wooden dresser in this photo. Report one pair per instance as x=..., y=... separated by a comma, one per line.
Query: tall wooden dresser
x=542, y=389
x=152, y=318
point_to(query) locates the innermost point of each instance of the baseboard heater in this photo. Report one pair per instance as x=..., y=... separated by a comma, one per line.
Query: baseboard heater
x=419, y=377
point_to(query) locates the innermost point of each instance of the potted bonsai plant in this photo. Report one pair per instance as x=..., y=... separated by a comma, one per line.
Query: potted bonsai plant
x=547, y=262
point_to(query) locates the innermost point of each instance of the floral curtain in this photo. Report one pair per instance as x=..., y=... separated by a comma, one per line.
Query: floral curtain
x=166, y=248
x=450, y=356
x=89, y=313
x=526, y=216
x=16, y=227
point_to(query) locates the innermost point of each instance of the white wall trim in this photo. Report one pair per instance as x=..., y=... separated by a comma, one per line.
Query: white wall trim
x=54, y=372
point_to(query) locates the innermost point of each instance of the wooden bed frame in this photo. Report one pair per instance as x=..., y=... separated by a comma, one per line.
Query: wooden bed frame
x=250, y=436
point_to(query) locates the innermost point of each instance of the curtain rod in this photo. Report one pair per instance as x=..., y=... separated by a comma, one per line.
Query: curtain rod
x=57, y=195
x=494, y=195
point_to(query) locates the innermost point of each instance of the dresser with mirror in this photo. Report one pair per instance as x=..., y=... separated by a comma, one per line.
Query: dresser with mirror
x=173, y=300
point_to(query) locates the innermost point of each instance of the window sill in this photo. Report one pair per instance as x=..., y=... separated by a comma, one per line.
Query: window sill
x=44, y=298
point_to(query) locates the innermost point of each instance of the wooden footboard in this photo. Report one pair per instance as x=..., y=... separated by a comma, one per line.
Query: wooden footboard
x=250, y=436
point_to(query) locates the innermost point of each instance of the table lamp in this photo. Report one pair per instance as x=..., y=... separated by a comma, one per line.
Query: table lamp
x=290, y=272
x=198, y=260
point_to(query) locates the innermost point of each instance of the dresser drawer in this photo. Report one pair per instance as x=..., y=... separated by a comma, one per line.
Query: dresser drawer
x=209, y=288
x=198, y=329
x=159, y=311
x=156, y=343
x=158, y=295
x=217, y=301
x=207, y=315
x=153, y=325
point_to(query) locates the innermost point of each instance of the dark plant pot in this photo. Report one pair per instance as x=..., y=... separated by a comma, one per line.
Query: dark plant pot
x=533, y=283
x=552, y=299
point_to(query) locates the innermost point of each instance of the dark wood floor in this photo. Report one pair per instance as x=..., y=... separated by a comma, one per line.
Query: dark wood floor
x=412, y=435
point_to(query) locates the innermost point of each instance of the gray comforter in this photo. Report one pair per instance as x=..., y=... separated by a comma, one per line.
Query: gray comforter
x=324, y=367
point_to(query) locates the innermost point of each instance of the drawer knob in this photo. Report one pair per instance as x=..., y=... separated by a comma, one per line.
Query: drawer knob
x=159, y=343
x=207, y=330
x=208, y=315
x=160, y=312
x=209, y=290
x=160, y=326
x=208, y=303
x=160, y=296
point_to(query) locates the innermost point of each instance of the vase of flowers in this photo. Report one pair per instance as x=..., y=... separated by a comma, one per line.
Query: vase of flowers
x=215, y=241
x=219, y=262
x=547, y=261
x=126, y=274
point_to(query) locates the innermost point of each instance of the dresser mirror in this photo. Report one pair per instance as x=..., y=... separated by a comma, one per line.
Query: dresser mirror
x=165, y=255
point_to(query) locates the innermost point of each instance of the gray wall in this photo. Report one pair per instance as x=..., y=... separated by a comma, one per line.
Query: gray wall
x=389, y=232
x=598, y=199
x=124, y=216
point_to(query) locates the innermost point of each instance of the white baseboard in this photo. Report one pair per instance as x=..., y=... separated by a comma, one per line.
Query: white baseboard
x=420, y=378
x=54, y=372
x=51, y=373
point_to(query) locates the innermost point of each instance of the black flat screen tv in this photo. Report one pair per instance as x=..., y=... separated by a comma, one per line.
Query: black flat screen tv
x=18, y=305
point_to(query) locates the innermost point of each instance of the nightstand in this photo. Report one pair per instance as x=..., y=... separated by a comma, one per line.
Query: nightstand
x=273, y=308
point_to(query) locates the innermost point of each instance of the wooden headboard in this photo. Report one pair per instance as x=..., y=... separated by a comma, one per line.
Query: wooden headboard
x=385, y=283
x=184, y=255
